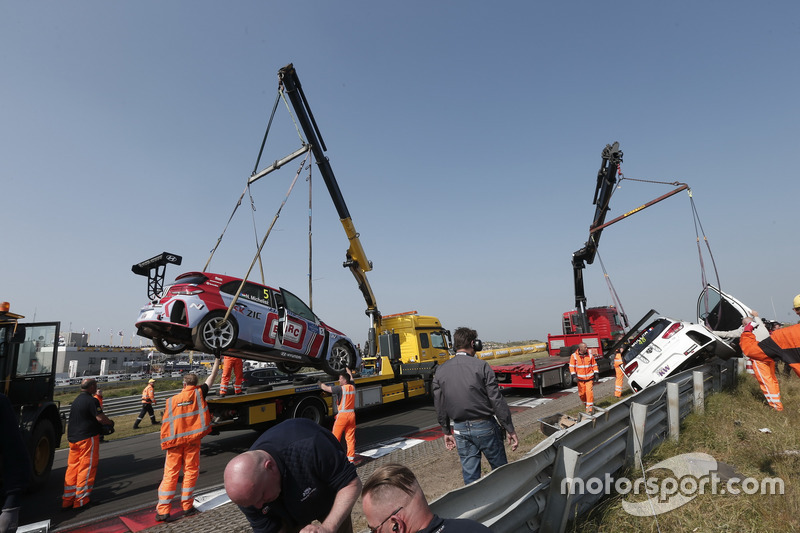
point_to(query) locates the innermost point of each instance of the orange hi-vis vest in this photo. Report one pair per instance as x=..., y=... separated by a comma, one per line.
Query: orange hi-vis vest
x=584, y=366
x=186, y=418
x=618, y=361
x=347, y=403
x=148, y=395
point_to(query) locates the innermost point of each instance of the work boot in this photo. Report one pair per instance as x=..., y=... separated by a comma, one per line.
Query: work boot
x=162, y=517
x=136, y=424
x=153, y=421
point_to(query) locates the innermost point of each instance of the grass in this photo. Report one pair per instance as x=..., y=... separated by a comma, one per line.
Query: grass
x=729, y=431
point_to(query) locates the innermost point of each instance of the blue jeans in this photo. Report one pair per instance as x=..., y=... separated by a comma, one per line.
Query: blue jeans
x=474, y=437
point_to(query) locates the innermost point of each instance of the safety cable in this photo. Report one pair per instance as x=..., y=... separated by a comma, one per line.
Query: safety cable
x=264, y=240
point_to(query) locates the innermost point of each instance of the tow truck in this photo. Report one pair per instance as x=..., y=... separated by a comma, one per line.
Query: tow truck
x=401, y=352
x=28, y=361
x=598, y=327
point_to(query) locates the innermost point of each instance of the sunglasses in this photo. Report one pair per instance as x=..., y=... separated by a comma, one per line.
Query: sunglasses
x=376, y=528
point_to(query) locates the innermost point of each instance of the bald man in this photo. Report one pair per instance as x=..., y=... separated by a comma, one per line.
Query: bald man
x=294, y=474
x=394, y=501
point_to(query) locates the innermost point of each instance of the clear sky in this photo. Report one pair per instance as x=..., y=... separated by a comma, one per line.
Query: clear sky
x=465, y=136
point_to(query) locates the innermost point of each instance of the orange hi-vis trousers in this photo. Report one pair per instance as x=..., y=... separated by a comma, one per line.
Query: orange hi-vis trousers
x=235, y=365
x=764, y=372
x=586, y=392
x=186, y=456
x=81, y=471
x=346, y=423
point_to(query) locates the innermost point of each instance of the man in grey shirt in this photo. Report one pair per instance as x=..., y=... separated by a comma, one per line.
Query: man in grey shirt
x=467, y=399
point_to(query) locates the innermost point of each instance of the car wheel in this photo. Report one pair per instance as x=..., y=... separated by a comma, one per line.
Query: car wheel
x=312, y=408
x=169, y=348
x=215, y=333
x=340, y=358
x=43, y=452
x=288, y=368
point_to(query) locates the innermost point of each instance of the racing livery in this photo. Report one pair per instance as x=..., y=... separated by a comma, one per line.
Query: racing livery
x=265, y=324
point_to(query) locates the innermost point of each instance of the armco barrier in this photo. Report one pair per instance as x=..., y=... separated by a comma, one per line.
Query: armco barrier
x=526, y=495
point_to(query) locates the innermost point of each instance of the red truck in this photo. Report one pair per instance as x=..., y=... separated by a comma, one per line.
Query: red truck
x=598, y=327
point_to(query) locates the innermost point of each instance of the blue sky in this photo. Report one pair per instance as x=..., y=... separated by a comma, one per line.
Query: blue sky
x=465, y=136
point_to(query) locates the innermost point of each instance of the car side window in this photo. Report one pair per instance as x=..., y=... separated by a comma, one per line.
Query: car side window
x=296, y=306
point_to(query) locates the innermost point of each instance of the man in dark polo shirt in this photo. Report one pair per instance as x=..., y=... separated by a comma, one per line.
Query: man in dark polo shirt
x=86, y=421
x=295, y=473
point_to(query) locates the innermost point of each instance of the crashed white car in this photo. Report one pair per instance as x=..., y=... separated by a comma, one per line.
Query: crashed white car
x=659, y=346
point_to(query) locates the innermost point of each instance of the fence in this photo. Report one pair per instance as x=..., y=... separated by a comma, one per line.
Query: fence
x=526, y=496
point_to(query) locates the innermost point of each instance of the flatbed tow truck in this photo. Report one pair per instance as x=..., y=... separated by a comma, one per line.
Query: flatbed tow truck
x=402, y=350
x=598, y=327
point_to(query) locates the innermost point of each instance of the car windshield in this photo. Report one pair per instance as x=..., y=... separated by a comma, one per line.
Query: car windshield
x=645, y=338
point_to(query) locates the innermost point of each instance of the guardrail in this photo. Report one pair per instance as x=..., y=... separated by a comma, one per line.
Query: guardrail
x=526, y=495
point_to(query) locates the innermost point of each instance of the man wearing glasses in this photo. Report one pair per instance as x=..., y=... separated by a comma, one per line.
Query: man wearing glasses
x=295, y=473
x=394, y=501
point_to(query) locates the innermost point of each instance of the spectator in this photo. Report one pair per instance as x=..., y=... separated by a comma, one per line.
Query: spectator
x=465, y=393
x=393, y=501
x=294, y=474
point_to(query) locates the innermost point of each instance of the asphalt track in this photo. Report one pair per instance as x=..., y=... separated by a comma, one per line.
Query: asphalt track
x=130, y=469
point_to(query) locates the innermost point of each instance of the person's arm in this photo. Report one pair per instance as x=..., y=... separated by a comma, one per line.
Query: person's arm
x=342, y=507
x=327, y=388
x=213, y=376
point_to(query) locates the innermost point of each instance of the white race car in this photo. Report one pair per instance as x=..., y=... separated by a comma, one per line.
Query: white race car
x=659, y=346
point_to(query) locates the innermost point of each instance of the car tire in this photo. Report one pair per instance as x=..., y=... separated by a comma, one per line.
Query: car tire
x=214, y=333
x=169, y=348
x=43, y=450
x=288, y=368
x=341, y=357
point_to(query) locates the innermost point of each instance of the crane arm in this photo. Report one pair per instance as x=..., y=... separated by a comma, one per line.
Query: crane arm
x=356, y=258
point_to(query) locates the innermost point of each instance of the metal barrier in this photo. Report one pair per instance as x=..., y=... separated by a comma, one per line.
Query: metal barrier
x=527, y=496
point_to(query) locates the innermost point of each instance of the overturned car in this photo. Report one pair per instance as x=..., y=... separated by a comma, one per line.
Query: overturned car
x=659, y=346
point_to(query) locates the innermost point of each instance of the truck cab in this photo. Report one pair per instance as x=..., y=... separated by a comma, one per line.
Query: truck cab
x=28, y=355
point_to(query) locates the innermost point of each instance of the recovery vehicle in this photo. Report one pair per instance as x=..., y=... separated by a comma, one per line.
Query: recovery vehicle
x=598, y=327
x=401, y=352
x=28, y=361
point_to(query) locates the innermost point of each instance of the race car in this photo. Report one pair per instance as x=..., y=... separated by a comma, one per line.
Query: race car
x=265, y=324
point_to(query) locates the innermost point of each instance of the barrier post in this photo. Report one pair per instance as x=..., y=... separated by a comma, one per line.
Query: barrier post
x=673, y=411
x=699, y=393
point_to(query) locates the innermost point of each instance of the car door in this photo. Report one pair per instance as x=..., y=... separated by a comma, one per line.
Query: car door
x=719, y=311
x=299, y=330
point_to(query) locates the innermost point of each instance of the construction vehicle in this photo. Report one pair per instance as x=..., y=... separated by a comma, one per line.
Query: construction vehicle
x=401, y=352
x=28, y=355
x=598, y=327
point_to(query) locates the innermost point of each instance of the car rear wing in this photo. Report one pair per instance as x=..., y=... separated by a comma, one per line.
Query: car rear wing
x=155, y=268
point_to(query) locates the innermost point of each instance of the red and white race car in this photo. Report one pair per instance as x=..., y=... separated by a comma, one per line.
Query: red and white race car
x=265, y=324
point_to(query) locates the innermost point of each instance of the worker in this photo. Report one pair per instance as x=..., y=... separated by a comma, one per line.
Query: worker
x=783, y=344
x=294, y=474
x=583, y=368
x=796, y=305
x=148, y=402
x=393, y=501
x=620, y=375
x=235, y=365
x=467, y=400
x=345, y=422
x=16, y=466
x=98, y=395
x=763, y=366
x=185, y=422
x=86, y=421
